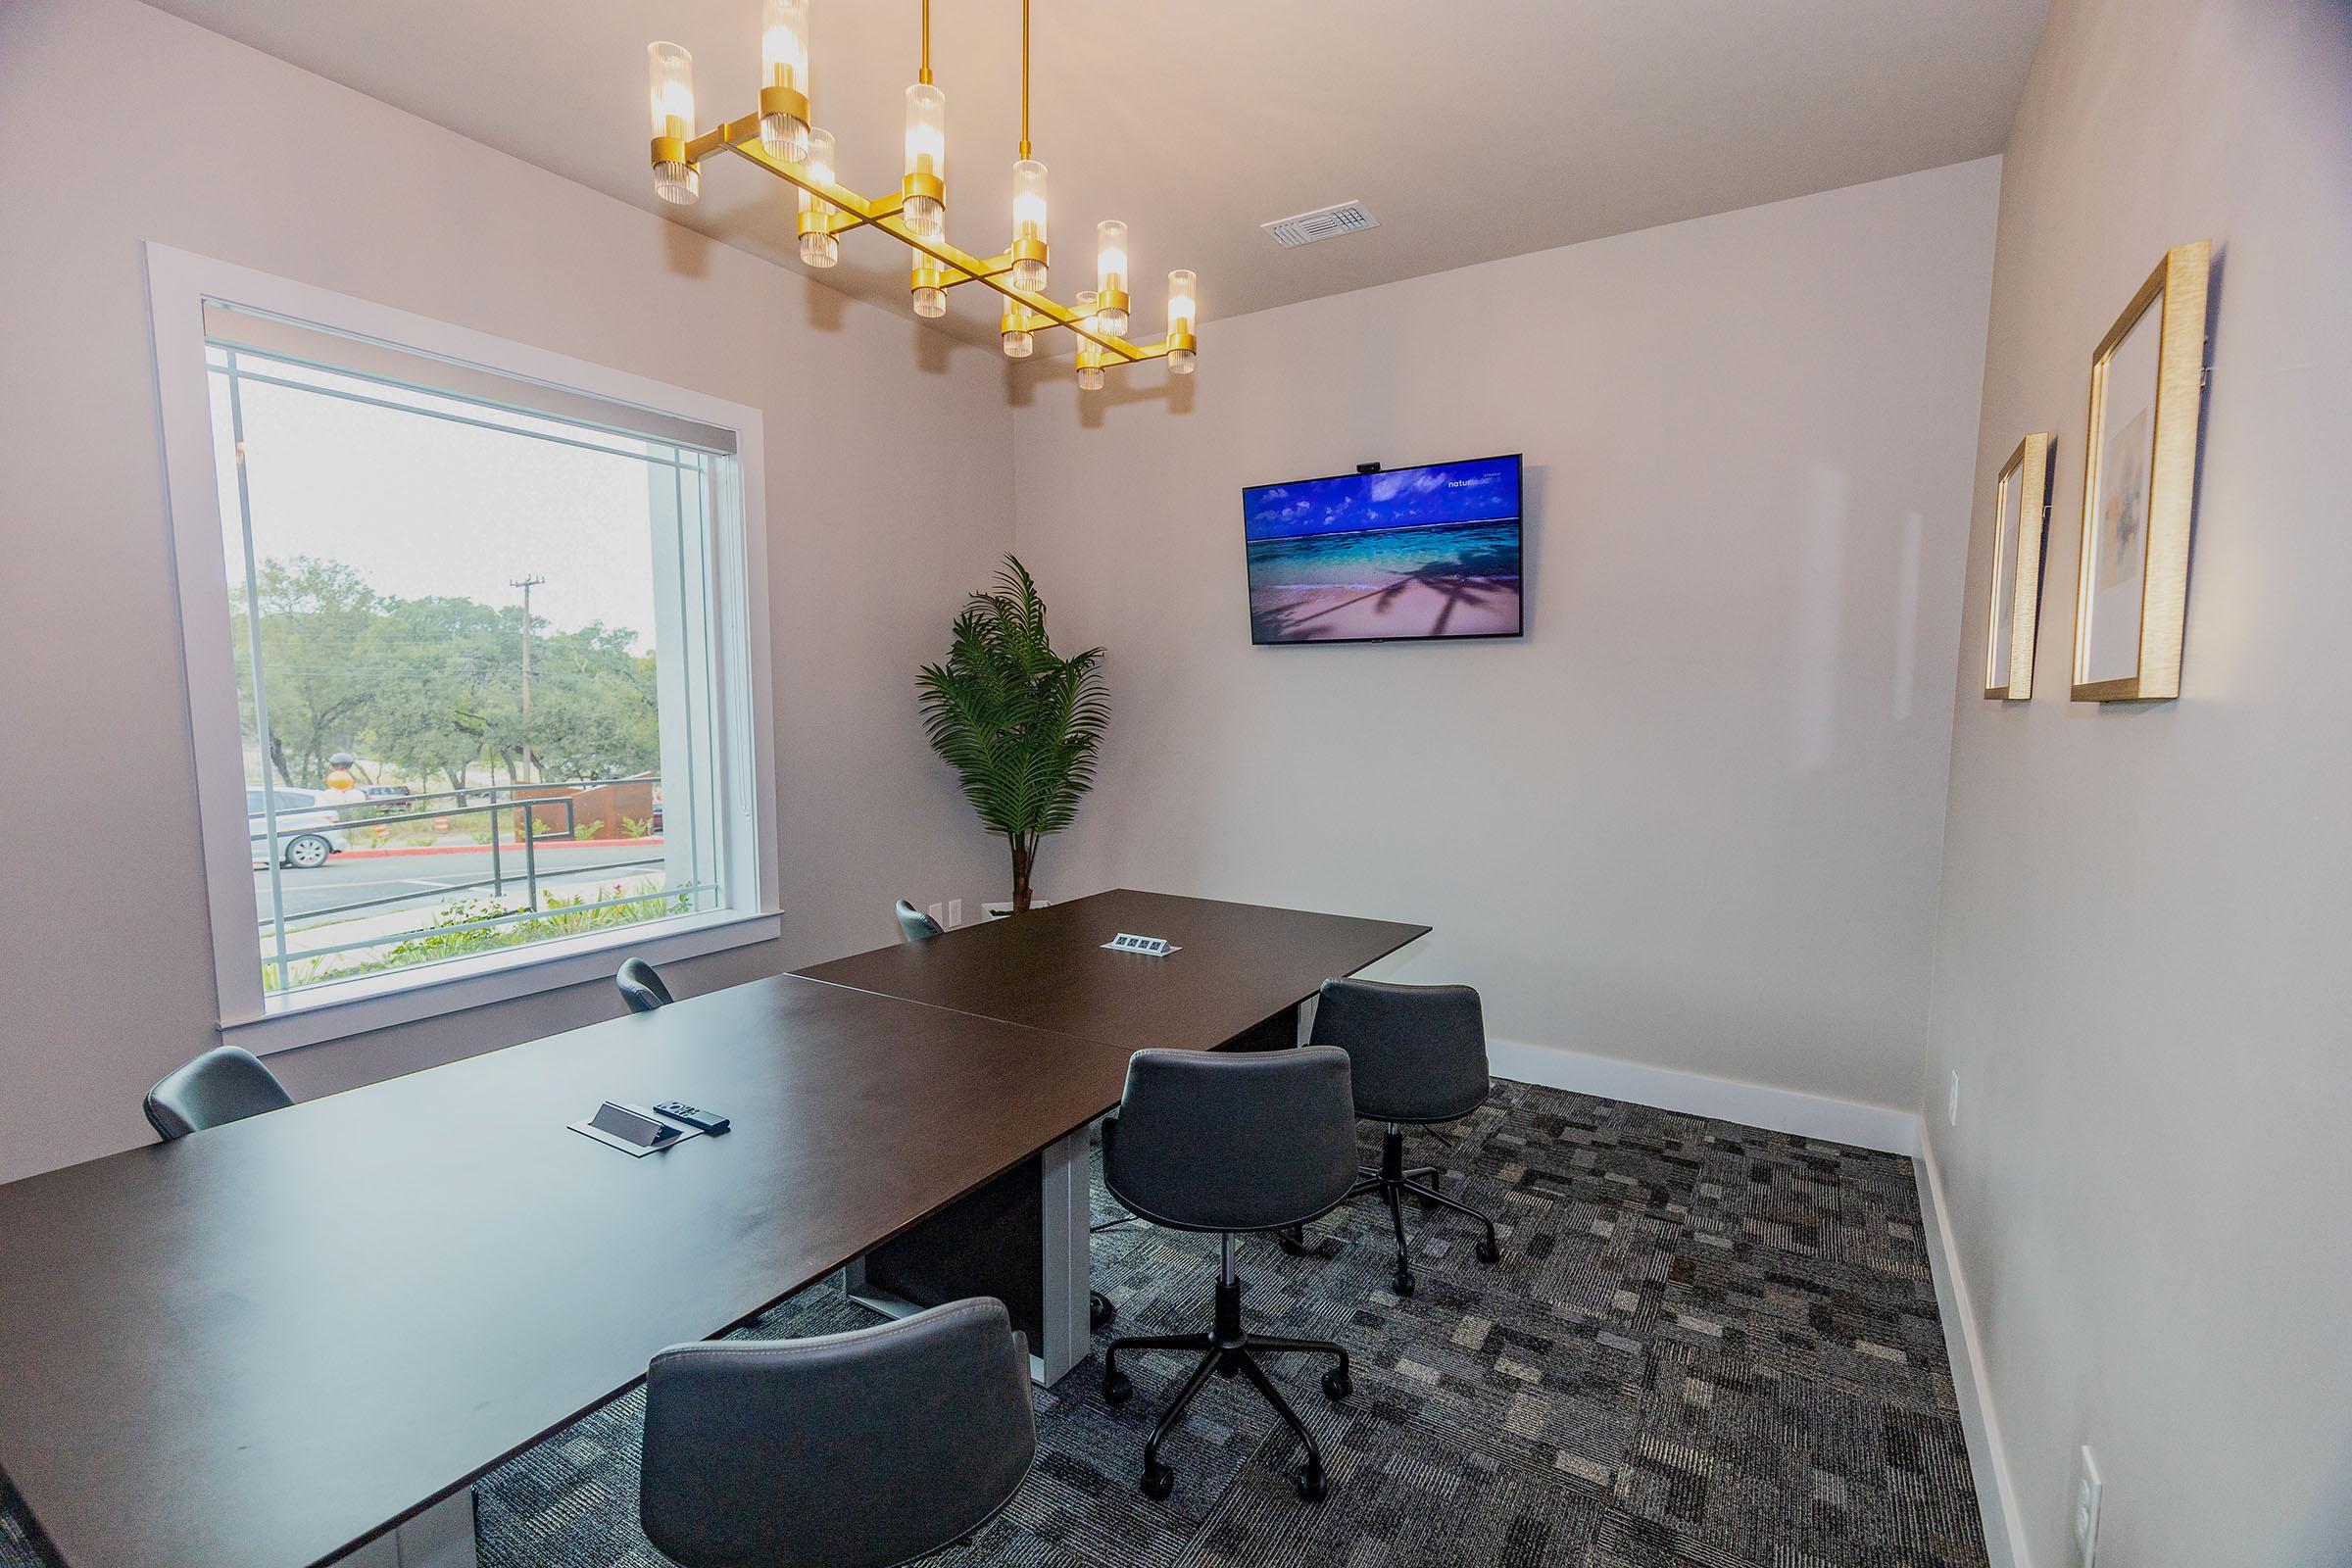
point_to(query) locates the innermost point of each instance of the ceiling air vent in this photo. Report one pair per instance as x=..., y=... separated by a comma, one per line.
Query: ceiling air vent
x=1324, y=223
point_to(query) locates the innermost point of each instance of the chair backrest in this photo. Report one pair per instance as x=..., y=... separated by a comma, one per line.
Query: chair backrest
x=1419, y=1052
x=1241, y=1141
x=913, y=925
x=223, y=1085
x=641, y=986
x=851, y=1451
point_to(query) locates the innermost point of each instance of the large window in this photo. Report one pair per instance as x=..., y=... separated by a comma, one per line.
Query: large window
x=487, y=679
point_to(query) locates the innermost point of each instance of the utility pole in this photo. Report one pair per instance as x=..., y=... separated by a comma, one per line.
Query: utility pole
x=530, y=764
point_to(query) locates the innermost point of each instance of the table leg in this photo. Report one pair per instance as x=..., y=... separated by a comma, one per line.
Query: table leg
x=1022, y=1239
x=441, y=1536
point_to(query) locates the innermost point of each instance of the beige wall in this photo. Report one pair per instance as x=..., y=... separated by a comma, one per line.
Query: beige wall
x=2141, y=977
x=130, y=125
x=1693, y=818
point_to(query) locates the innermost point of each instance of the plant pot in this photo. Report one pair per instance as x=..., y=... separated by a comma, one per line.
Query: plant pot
x=999, y=909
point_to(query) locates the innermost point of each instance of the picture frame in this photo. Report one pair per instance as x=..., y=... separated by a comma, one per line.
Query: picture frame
x=2021, y=516
x=2140, y=472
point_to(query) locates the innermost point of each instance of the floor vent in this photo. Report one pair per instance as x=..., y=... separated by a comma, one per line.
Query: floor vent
x=1324, y=223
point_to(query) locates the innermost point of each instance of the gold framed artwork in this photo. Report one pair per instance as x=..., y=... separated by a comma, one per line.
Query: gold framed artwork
x=2139, y=472
x=2020, y=515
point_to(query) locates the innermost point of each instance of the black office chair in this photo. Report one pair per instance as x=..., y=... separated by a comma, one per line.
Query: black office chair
x=1205, y=1141
x=222, y=1086
x=852, y=1450
x=1420, y=1056
x=913, y=925
x=641, y=986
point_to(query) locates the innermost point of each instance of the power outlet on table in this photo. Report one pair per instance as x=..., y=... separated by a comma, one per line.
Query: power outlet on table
x=939, y=915
x=955, y=913
x=2086, y=1509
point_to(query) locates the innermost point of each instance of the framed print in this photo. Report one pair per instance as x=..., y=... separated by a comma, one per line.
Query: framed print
x=2139, y=472
x=2021, y=515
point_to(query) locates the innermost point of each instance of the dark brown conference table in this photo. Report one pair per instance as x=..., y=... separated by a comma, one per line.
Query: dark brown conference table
x=266, y=1344
x=284, y=1339
x=1237, y=982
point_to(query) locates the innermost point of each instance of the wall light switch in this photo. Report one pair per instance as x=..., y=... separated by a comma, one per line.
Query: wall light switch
x=955, y=913
x=1951, y=1102
x=2086, y=1509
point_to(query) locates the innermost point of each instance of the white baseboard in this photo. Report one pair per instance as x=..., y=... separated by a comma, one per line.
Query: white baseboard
x=1779, y=1110
x=1841, y=1121
x=1996, y=1497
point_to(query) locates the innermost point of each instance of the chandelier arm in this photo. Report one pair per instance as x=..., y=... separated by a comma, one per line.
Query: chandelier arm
x=852, y=211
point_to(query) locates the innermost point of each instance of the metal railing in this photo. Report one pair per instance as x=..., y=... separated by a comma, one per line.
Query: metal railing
x=350, y=815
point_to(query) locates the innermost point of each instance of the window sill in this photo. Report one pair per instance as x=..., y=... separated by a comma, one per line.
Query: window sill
x=380, y=1001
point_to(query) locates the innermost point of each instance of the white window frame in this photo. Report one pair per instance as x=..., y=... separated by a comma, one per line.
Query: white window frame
x=178, y=283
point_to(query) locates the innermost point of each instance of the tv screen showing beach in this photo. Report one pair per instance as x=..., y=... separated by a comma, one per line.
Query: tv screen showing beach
x=1401, y=554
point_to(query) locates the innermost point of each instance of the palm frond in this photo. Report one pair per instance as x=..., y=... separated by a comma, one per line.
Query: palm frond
x=1019, y=725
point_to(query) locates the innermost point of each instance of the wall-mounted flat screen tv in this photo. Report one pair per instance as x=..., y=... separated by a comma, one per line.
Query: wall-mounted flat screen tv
x=1395, y=554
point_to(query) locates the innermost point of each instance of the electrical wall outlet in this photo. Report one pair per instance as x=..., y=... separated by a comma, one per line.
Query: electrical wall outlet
x=955, y=913
x=1951, y=1102
x=939, y=915
x=2086, y=1509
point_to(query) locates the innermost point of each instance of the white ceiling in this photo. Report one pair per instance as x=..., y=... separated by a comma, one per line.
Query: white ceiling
x=1473, y=129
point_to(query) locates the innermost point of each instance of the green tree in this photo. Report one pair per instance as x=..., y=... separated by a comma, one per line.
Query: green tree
x=1017, y=722
x=313, y=616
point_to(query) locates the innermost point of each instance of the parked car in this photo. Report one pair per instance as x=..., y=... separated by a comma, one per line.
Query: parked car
x=307, y=832
x=385, y=792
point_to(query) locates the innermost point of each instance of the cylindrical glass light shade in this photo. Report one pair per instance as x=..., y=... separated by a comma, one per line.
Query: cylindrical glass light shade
x=784, y=63
x=817, y=248
x=671, y=68
x=1090, y=356
x=1028, y=223
x=1181, y=312
x=1111, y=274
x=930, y=285
x=927, y=158
x=1018, y=341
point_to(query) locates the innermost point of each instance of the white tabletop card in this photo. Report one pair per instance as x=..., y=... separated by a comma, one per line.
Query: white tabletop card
x=1153, y=947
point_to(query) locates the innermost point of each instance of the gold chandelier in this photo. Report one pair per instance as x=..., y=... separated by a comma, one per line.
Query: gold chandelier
x=781, y=139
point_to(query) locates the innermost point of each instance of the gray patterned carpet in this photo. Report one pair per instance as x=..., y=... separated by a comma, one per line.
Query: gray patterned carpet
x=1704, y=1345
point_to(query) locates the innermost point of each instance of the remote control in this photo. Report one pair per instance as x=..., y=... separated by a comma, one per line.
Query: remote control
x=709, y=1121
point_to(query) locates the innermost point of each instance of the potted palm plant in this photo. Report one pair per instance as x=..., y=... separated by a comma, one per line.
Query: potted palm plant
x=1017, y=722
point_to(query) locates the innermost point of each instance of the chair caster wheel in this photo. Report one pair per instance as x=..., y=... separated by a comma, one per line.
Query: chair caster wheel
x=1403, y=1282
x=1099, y=1310
x=1336, y=1384
x=1158, y=1480
x=1310, y=1483
x=1488, y=1252
x=1116, y=1387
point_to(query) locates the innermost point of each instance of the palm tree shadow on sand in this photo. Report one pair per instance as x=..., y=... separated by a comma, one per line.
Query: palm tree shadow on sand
x=1473, y=579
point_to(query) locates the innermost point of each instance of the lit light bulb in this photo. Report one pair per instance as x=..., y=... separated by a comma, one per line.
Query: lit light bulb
x=1029, y=225
x=926, y=183
x=1111, y=274
x=1181, y=312
x=671, y=68
x=784, y=79
x=818, y=248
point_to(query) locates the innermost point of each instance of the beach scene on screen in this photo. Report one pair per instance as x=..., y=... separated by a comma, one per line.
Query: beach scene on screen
x=1429, y=552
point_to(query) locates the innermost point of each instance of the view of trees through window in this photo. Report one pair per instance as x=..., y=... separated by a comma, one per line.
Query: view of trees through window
x=449, y=621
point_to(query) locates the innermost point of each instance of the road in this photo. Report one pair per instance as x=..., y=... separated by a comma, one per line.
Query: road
x=423, y=880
